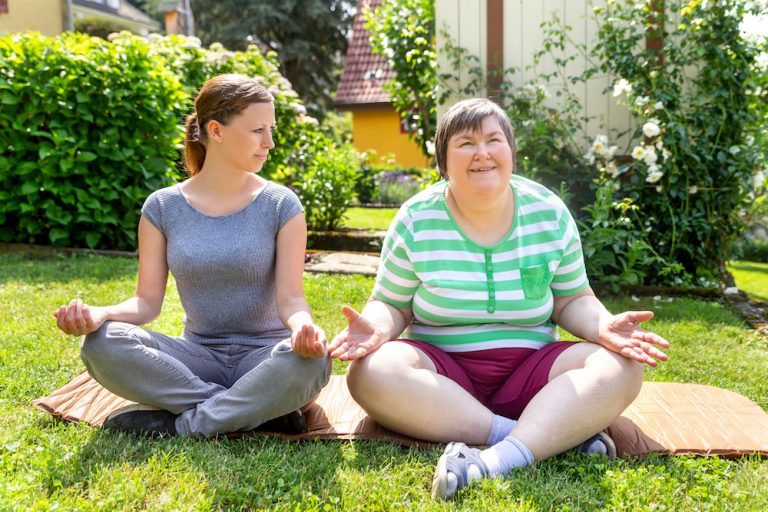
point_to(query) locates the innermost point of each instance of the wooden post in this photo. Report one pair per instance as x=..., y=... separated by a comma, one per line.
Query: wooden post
x=654, y=35
x=495, y=46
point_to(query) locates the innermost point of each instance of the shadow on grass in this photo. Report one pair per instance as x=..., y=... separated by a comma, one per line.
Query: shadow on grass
x=248, y=473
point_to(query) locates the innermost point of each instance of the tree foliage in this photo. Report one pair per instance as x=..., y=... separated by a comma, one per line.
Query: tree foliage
x=404, y=31
x=309, y=37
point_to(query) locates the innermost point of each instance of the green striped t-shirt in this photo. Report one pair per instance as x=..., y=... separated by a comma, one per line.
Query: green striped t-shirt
x=466, y=296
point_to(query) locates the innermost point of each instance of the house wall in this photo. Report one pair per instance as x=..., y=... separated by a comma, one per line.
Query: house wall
x=378, y=129
x=466, y=23
x=44, y=16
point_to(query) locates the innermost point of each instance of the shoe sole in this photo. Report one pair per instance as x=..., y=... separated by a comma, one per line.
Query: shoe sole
x=609, y=445
x=440, y=480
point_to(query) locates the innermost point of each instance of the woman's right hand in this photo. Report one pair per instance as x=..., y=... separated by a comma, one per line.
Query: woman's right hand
x=358, y=339
x=79, y=319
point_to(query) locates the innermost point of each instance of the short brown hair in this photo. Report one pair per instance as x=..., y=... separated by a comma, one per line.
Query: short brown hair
x=469, y=115
x=221, y=98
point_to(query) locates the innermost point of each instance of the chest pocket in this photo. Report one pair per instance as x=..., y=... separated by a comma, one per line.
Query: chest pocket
x=535, y=281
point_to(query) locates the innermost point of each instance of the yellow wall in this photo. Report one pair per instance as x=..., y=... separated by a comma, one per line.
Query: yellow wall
x=379, y=129
x=44, y=16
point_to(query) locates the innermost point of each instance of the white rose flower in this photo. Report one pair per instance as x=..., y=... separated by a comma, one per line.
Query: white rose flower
x=590, y=157
x=622, y=87
x=659, y=144
x=693, y=189
x=612, y=151
x=651, y=129
x=659, y=188
x=650, y=157
x=658, y=105
x=641, y=101
x=665, y=153
x=430, y=147
x=654, y=176
x=612, y=169
x=638, y=152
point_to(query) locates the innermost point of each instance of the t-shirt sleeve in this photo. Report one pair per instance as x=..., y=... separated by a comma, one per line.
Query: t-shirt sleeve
x=396, y=280
x=288, y=206
x=152, y=210
x=571, y=275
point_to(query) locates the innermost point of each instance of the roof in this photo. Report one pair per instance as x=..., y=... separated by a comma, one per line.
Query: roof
x=364, y=73
x=125, y=11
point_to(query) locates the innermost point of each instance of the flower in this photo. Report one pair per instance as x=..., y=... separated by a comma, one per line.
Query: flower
x=651, y=129
x=734, y=150
x=658, y=105
x=650, y=157
x=430, y=147
x=641, y=101
x=693, y=189
x=612, y=169
x=622, y=87
x=654, y=176
x=659, y=188
x=638, y=152
x=665, y=153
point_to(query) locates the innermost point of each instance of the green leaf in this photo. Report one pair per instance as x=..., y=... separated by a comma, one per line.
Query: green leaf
x=86, y=156
x=6, y=98
x=29, y=188
x=58, y=235
x=92, y=239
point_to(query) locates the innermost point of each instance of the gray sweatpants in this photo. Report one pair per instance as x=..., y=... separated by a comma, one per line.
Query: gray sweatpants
x=214, y=388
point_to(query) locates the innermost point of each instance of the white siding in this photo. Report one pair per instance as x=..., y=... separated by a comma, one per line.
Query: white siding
x=465, y=21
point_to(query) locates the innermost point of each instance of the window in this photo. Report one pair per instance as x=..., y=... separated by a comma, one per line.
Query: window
x=3, y=5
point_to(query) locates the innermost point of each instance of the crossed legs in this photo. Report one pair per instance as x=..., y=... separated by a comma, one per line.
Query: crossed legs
x=588, y=388
x=210, y=395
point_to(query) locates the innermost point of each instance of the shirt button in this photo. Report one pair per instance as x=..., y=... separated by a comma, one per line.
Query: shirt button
x=492, y=294
x=490, y=309
x=489, y=267
x=490, y=281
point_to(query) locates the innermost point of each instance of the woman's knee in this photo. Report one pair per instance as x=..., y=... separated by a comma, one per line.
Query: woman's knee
x=99, y=344
x=622, y=373
x=376, y=370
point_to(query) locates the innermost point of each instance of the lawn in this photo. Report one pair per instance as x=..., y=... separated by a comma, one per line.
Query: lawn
x=751, y=277
x=372, y=219
x=46, y=464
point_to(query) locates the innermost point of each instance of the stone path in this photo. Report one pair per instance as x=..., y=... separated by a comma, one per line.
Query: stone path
x=343, y=263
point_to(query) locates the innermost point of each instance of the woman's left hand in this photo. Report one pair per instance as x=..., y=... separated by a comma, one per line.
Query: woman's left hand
x=622, y=334
x=308, y=340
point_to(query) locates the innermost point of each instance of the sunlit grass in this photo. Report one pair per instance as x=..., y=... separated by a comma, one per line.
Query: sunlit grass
x=46, y=464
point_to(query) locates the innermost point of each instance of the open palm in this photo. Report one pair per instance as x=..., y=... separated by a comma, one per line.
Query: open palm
x=622, y=334
x=358, y=339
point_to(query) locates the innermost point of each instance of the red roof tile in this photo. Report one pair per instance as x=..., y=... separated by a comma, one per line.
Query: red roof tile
x=364, y=73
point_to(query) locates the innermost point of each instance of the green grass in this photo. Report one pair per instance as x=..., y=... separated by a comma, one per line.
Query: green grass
x=751, y=277
x=46, y=464
x=374, y=219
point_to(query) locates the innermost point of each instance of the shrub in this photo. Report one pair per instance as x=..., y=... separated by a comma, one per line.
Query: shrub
x=324, y=177
x=701, y=102
x=87, y=128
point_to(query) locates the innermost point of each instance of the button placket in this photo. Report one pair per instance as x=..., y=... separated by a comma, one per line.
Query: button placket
x=491, y=283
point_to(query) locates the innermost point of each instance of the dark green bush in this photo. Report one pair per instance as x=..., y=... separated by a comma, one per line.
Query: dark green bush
x=87, y=128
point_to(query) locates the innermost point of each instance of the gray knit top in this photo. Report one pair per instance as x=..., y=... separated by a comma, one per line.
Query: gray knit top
x=224, y=266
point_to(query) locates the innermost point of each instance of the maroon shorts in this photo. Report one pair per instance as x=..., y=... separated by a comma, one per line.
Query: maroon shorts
x=502, y=379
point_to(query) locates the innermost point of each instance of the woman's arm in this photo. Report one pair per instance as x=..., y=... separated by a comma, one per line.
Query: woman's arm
x=308, y=339
x=79, y=318
x=583, y=315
